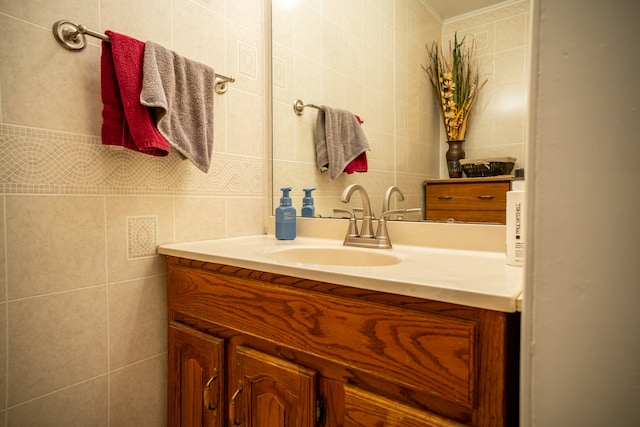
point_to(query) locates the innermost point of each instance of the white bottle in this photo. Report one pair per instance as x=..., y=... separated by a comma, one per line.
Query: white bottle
x=516, y=221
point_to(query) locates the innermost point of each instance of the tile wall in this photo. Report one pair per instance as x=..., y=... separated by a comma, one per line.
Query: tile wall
x=499, y=124
x=363, y=57
x=368, y=59
x=82, y=299
x=82, y=292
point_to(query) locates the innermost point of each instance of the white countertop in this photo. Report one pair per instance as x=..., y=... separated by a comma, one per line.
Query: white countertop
x=468, y=277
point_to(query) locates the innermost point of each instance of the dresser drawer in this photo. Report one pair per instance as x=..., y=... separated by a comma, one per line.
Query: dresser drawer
x=467, y=200
x=481, y=196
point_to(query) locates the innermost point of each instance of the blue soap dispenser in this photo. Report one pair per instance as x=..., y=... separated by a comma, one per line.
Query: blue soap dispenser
x=308, y=210
x=285, y=217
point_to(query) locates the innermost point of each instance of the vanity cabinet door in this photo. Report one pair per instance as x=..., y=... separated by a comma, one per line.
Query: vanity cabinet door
x=365, y=409
x=196, y=378
x=270, y=392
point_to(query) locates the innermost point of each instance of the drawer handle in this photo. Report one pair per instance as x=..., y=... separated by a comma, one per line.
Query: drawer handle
x=232, y=405
x=445, y=197
x=485, y=197
x=208, y=405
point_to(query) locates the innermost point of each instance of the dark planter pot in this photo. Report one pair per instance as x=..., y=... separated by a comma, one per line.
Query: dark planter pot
x=453, y=156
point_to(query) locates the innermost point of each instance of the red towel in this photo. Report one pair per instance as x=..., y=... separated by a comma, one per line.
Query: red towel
x=359, y=164
x=125, y=121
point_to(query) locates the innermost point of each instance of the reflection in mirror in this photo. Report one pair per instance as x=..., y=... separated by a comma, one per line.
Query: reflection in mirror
x=367, y=58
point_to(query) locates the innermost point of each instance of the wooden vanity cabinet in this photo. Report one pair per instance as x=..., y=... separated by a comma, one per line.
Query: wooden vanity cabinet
x=196, y=377
x=261, y=349
x=468, y=199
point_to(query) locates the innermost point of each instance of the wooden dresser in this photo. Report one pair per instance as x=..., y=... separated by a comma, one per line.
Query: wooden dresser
x=467, y=199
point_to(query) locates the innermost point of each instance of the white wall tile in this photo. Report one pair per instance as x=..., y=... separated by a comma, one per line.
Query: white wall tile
x=3, y=264
x=56, y=341
x=29, y=95
x=138, y=394
x=200, y=218
x=198, y=34
x=70, y=201
x=118, y=208
x=137, y=320
x=3, y=355
x=45, y=13
x=54, y=243
x=245, y=60
x=83, y=404
x=142, y=19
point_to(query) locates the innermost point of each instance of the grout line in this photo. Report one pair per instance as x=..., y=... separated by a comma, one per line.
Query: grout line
x=106, y=275
x=26, y=402
x=5, y=344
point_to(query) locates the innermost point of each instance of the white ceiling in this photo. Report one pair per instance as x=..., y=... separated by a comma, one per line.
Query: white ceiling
x=450, y=8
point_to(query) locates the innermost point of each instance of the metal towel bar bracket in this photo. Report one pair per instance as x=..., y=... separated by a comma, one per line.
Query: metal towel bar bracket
x=72, y=37
x=298, y=107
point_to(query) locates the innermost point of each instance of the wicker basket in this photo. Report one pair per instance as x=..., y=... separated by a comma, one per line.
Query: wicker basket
x=476, y=168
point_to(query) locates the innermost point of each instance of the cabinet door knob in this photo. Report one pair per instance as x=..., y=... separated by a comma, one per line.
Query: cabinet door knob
x=485, y=197
x=233, y=405
x=206, y=397
x=445, y=197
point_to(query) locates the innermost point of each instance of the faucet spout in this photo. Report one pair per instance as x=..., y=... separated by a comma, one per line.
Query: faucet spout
x=367, y=228
x=387, y=197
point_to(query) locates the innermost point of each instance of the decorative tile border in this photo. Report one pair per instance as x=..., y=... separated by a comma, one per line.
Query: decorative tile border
x=50, y=162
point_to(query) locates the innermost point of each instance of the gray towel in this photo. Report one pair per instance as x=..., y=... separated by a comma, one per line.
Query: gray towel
x=181, y=90
x=339, y=139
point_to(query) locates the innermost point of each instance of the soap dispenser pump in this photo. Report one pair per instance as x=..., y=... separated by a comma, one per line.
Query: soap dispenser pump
x=285, y=217
x=308, y=210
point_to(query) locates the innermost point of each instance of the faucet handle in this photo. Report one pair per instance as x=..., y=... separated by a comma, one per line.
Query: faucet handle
x=350, y=213
x=360, y=210
x=408, y=211
x=392, y=212
x=352, y=231
x=382, y=235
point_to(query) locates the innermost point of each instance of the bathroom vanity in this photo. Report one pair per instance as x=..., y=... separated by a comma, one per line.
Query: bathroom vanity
x=258, y=341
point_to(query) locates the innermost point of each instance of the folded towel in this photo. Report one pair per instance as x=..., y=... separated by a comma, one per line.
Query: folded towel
x=359, y=164
x=125, y=121
x=181, y=90
x=339, y=140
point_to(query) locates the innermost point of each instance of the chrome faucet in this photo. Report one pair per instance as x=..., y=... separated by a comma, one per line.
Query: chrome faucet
x=387, y=197
x=367, y=228
x=386, y=203
x=366, y=238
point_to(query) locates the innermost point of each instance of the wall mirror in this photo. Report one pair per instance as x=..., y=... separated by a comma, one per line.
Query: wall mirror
x=366, y=57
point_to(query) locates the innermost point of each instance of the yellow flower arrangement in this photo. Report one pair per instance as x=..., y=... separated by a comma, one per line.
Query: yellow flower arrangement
x=455, y=81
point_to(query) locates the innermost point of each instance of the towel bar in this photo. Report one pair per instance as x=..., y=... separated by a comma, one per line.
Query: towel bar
x=299, y=106
x=72, y=37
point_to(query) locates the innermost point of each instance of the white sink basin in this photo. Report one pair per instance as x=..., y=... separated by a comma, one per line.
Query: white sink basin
x=475, y=278
x=344, y=256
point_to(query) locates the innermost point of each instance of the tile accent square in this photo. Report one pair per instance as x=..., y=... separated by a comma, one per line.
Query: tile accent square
x=247, y=60
x=279, y=73
x=142, y=236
